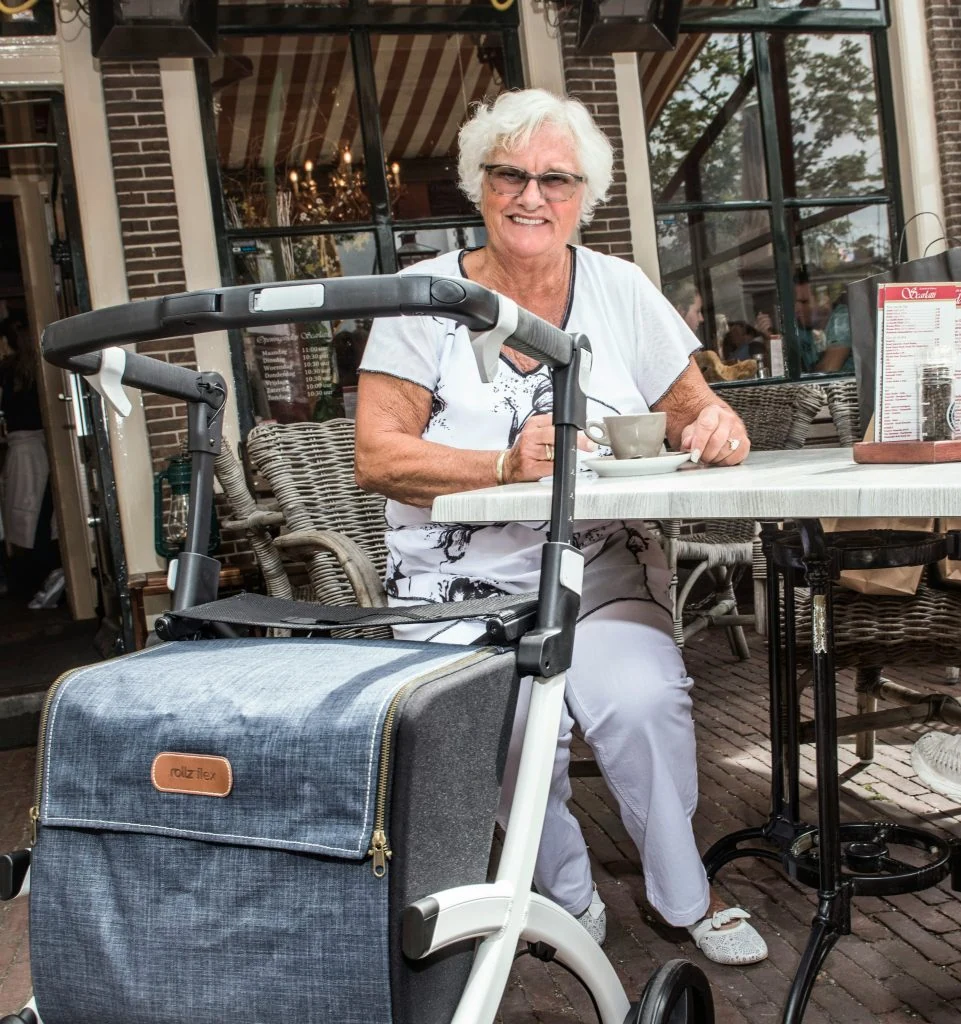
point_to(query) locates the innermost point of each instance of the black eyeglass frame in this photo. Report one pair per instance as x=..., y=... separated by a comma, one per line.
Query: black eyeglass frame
x=578, y=179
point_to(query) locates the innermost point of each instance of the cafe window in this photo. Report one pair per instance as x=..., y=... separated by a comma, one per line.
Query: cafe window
x=333, y=131
x=774, y=175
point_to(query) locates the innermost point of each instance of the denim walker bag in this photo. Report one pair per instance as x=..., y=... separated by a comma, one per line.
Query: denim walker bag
x=233, y=827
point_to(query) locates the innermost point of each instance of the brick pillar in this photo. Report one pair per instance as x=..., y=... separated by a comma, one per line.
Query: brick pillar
x=591, y=80
x=150, y=229
x=143, y=178
x=944, y=45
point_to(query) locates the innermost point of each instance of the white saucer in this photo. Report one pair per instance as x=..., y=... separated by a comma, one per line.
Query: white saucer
x=607, y=465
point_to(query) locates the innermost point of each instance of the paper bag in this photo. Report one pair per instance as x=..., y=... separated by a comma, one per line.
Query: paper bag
x=948, y=571
x=863, y=308
x=898, y=582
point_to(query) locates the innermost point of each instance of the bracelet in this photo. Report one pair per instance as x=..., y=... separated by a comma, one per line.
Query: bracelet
x=499, y=466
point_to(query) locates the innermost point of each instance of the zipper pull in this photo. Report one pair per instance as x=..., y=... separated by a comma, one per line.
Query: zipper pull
x=34, y=818
x=380, y=851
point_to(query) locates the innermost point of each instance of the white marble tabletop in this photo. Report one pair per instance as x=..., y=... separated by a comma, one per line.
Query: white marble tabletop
x=768, y=485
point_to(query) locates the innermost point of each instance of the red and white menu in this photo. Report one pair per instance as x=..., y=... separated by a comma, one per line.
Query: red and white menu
x=913, y=320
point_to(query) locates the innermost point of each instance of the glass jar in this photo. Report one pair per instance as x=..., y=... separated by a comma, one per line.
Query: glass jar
x=935, y=398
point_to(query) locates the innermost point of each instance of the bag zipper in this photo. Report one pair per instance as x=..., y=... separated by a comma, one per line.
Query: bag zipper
x=380, y=849
x=42, y=754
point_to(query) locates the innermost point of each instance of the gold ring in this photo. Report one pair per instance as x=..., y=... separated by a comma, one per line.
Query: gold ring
x=548, y=452
x=733, y=443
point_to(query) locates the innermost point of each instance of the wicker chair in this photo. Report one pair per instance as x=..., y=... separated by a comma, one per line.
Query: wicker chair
x=842, y=398
x=331, y=527
x=777, y=416
x=334, y=526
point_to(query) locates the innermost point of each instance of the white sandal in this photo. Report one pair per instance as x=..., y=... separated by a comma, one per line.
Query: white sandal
x=740, y=944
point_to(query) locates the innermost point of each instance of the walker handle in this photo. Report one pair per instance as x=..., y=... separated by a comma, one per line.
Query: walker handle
x=70, y=342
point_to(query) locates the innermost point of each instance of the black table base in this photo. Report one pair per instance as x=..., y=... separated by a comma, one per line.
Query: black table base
x=842, y=860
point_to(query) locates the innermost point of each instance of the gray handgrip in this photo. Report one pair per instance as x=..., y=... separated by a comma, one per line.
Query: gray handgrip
x=159, y=377
x=537, y=338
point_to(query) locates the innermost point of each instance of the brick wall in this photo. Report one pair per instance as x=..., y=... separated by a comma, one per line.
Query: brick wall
x=944, y=45
x=591, y=80
x=153, y=255
x=140, y=152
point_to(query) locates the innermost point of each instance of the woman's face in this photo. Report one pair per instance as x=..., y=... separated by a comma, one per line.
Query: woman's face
x=526, y=226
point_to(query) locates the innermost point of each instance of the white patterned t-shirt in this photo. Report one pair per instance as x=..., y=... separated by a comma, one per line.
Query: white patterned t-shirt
x=640, y=347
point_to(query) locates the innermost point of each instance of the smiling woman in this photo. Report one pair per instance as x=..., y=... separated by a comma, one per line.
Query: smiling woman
x=536, y=166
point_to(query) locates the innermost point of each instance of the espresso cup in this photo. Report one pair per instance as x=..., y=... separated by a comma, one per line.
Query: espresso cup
x=632, y=436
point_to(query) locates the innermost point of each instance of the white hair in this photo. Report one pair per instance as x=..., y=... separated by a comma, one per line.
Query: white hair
x=508, y=124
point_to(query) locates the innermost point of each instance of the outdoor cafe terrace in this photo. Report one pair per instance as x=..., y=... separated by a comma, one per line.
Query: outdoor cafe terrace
x=901, y=963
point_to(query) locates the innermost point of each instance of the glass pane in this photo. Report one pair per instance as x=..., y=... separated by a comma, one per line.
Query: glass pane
x=829, y=5
x=414, y=246
x=827, y=107
x=288, y=131
x=304, y=371
x=701, y=4
x=718, y=271
x=425, y=86
x=834, y=246
x=703, y=120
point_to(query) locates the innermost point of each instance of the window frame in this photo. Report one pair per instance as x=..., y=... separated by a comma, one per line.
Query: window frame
x=357, y=20
x=756, y=23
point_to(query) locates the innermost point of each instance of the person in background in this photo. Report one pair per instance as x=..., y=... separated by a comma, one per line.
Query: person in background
x=30, y=533
x=838, y=354
x=807, y=319
x=536, y=165
x=687, y=300
x=743, y=341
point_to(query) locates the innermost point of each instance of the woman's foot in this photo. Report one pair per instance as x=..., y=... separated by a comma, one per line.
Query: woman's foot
x=594, y=919
x=725, y=937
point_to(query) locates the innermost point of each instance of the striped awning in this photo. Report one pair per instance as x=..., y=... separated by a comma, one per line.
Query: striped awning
x=282, y=100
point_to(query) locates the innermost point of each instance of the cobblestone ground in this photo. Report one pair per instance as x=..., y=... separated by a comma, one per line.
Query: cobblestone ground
x=902, y=963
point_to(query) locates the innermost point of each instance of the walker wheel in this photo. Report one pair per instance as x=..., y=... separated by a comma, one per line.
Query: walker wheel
x=678, y=992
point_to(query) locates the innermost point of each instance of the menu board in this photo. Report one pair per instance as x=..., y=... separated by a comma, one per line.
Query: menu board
x=293, y=372
x=918, y=339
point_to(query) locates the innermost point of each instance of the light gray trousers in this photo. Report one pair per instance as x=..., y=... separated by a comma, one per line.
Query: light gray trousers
x=629, y=693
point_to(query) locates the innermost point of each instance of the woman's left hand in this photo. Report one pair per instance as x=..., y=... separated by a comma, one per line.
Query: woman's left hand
x=717, y=437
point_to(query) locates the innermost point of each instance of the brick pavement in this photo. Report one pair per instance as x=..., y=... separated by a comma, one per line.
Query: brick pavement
x=903, y=962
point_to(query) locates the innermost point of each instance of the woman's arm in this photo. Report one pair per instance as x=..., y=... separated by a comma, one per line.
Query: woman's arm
x=393, y=459
x=700, y=422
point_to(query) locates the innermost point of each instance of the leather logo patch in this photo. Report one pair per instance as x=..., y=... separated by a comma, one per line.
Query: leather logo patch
x=193, y=774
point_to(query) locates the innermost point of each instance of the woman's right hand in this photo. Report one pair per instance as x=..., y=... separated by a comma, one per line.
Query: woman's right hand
x=532, y=456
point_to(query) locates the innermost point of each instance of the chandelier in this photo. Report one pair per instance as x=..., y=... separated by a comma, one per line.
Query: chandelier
x=344, y=198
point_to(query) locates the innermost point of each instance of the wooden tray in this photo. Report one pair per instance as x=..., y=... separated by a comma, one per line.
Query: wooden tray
x=907, y=451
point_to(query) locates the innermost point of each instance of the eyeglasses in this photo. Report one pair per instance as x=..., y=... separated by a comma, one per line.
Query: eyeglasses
x=554, y=186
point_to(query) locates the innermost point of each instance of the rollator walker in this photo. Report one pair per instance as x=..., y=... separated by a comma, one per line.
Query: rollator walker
x=497, y=914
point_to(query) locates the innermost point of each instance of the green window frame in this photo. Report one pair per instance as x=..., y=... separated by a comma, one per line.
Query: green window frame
x=358, y=20
x=756, y=22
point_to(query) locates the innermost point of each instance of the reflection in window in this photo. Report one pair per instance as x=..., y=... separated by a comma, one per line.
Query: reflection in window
x=834, y=247
x=425, y=87
x=703, y=122
x=824, y=89
x=304, y=371
x=415, y=246
x=734, y=284
x=829, y=5
x=710, y=151
x=288, y=131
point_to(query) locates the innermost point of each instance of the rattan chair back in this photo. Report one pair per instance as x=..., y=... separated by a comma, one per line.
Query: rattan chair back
x=310, y=469
x=842, y=396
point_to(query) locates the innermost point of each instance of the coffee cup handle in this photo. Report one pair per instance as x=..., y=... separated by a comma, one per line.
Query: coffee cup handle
x=596, y=432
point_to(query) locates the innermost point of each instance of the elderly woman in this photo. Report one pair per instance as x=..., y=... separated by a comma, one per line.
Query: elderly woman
x=536, y=166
